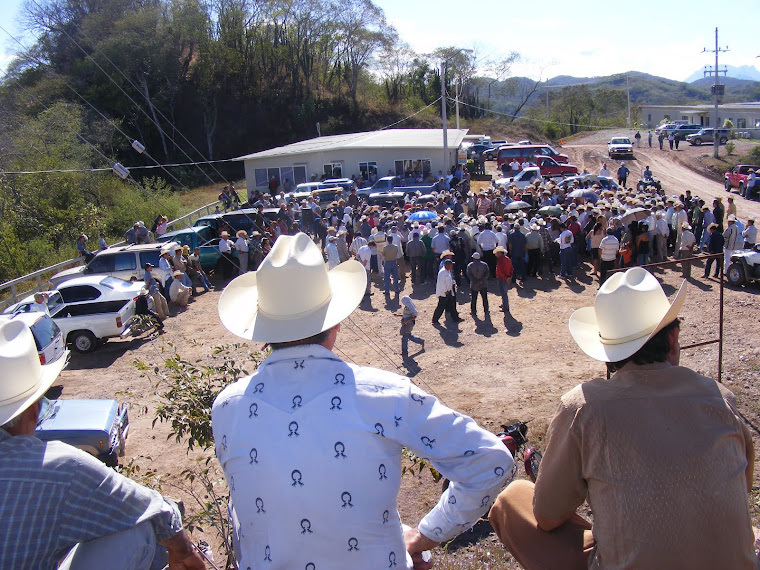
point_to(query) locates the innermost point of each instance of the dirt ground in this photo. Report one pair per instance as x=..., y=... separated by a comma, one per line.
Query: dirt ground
x=496, y=370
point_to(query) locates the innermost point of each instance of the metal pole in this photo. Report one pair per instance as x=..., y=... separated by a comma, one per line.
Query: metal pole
x=716, y=137
x=456, y=100
x=443, y=116
x=547, y=100
x=628, y=89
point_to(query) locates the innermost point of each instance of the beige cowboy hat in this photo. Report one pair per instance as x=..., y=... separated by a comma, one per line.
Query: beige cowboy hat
x=272, y=305
x=25, y=380
x=446, y=253
x=629, y=309
x=500, y=249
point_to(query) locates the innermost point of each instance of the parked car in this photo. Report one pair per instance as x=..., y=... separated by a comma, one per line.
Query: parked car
x=588, y=180
x=203, y=237
x=682, y=131
x=89, y=309
x=737, y=176
x=387, y=199
x=47, y=336
x=663, y=128
x=620, y=147
x=394, y=184
x=126, y=262
x=528, y=151
x=489, y=151
x=523, y=179
x=550, y=168
x=99, y=427
x=708, y=136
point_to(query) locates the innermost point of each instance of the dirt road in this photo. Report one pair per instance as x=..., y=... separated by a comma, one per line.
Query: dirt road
x=496, y=370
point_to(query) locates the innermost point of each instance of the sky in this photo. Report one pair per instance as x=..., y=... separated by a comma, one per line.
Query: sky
x=577, y=38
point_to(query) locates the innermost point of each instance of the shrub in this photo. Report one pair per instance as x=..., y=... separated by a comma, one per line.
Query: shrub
x=730, y=148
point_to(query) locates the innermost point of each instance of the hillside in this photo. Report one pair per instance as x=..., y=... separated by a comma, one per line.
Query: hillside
x=644, y=89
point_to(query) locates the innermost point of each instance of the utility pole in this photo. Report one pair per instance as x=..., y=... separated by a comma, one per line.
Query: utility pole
x=717, y=90
x=547, y=99
x=628, y=89
x=443, y=116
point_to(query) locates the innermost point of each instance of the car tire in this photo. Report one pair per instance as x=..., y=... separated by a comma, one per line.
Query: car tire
x=735, y=274
x=741, y=188
x=723, y=140
x=727, y=184
x=83, y=341
x=696, y=142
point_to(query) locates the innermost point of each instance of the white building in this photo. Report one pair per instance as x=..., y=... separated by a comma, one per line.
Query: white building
x=399, y=151
x=744, y=116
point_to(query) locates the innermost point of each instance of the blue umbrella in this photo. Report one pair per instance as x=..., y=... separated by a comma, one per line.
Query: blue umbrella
x=423, y=216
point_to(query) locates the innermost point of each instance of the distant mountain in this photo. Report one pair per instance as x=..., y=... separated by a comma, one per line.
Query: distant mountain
x=747, y=72
x=644, y=89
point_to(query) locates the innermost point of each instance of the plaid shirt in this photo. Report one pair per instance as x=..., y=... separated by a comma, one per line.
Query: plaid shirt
x=55, y=496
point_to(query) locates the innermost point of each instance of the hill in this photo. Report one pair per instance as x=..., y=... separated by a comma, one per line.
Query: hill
x=644, y=89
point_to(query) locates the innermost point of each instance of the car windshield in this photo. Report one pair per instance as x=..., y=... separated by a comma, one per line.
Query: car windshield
x=620, y=141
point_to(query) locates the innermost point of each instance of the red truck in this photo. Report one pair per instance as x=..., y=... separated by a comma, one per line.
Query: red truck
x=551, y=168
x=737, y=177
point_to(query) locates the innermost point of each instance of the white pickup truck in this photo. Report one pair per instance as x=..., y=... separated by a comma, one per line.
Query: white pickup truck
x=88, y=310
x=523, y=179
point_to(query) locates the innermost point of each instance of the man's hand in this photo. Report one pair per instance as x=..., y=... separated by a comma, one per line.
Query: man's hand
x=416, y=544
x=182, y=554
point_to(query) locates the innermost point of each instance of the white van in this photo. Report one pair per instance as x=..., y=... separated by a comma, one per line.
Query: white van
x=47, y=336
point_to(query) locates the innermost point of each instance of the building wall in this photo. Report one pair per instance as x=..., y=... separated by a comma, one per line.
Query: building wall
x=745, y=120
x=304, y=167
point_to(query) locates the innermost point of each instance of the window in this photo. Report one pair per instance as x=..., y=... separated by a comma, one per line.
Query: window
x=79, y=293
x=684, y=118
x=413, y=168
x=296, y=174
x=333, y=170
x=260, y=177
x=649, y=118
x=101, y=264
x=149, y=257
x=367, y=169
x=741, y=123
x=124, y=261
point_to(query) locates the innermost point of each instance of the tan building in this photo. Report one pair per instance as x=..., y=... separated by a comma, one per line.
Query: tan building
x=395, y=151
x=744, y=116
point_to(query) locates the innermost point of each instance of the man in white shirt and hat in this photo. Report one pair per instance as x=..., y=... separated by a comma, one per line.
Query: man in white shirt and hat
x=732, y=237
x=61, y=507
x=658, y=450
x=311, y=445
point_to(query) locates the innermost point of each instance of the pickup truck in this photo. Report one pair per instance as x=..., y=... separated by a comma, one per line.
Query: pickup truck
x=394, y=183
x=551, y=168
x=99, y=427
x=737, y=176
x=620, y=147
x=523, y=179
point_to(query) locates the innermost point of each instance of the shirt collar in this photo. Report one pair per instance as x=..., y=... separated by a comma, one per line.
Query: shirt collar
x=299, y=351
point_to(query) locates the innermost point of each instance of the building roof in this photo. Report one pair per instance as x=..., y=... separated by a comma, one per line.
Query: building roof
x=389, y=138
x=749, y=106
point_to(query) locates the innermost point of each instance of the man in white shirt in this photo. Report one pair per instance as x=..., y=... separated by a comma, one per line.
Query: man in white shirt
x=566, y=241
x=363, y=256
x=662, y=230
x=311, y=445
x=514, y=166
x=487, y=242
x=440, y=242
x=750, y=234
x=608, y=251
x=178, y=293
x=40, y=304
x=731, y=235
x=604, y=171
x=444, y=290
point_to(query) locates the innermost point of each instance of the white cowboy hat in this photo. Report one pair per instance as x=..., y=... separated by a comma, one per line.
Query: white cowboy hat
x=629, y=309
x=25, y=380
x=292, y=295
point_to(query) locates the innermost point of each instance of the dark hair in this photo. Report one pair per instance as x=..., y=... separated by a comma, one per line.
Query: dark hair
x=318, y=338
x=655, y=350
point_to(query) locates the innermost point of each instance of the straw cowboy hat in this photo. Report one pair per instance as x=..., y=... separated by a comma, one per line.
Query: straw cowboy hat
x=629, y=309
x=273, y=305
x=25, y=380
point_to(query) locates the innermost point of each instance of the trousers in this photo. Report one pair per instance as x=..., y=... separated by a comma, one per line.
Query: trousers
x=391, y=270
x=447, y=303
x=474, y=300
x=567, y=547
x=132, y=549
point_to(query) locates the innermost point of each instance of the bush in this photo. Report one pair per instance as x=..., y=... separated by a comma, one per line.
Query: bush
x=730, y=148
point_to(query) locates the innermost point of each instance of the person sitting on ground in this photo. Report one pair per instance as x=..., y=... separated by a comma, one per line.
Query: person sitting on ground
x=659, y=452
x=61, y=503
x=179, y=294
x=311, y=445
x=142, y=307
